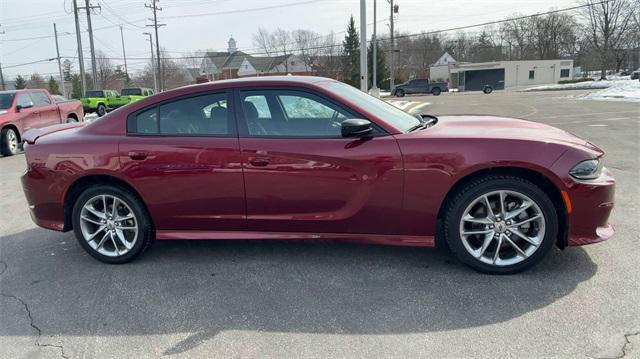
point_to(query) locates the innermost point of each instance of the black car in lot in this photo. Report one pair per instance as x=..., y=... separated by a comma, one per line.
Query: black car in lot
x=420, y=86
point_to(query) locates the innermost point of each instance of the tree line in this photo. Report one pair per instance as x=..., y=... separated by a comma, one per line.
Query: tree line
x=600, y=35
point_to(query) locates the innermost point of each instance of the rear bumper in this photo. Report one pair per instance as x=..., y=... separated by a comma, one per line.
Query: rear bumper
x=592, y=203
x=45, y=204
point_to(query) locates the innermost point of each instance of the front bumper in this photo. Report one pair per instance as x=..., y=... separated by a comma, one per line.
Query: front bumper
x=592, y=203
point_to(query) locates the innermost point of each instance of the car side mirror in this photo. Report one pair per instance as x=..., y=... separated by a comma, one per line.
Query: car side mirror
x=21, y=107
x=356, y=127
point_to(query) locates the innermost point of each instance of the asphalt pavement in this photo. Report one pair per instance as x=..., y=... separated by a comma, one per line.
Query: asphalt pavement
x=273, y=299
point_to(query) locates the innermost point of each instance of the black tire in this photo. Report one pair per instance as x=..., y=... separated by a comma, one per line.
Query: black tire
x=487, y=89
x=101, y=110
x=146, y=234
x=400, y=93
x=475, y=189
x=436, y=91
x=10, y=142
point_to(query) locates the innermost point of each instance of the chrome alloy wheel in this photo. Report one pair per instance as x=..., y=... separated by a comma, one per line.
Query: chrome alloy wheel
x=109, y=225
x=12, y=141
x=502, y=228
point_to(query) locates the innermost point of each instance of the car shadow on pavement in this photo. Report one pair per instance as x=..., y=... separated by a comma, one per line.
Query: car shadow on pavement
x=201, y=288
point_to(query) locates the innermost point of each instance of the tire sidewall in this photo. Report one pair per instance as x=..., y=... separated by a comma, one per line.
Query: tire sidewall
x=101, y=110
x=436, y=91
x=143, y=221
x=487, y=90
x=6, y=149
x=464, y=198
x=400, y=93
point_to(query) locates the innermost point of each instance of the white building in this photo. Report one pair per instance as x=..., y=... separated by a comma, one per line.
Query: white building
x=508, y=74
x=439, y=71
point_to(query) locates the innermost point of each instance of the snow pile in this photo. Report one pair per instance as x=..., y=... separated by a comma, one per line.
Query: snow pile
x=586, y=85
x=409, y=106
x=619, y=91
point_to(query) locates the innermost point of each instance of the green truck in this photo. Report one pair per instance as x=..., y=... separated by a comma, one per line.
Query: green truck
x=97, y=101
x=128, y=95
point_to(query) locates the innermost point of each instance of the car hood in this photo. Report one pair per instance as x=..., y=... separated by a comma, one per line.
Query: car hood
x=493, y=127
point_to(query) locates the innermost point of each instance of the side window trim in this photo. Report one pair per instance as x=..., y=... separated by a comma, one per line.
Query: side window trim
x=231, y=120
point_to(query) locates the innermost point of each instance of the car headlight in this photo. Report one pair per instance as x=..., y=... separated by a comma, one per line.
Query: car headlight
x=587, y=170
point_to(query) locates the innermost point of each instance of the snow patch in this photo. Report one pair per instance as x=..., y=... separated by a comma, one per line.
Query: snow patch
x=628, y=90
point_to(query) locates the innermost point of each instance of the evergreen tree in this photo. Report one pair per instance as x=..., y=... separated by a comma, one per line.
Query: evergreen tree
x=382, y=71
x=76, y=87
x=351, y=55
x=54, y=89
x=21, y=83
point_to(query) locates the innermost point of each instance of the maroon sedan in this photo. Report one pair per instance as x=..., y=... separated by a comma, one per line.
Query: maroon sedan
x=307, y=157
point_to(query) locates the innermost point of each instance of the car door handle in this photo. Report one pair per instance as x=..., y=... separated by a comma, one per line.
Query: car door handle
x=138, y=155
x=259, y=161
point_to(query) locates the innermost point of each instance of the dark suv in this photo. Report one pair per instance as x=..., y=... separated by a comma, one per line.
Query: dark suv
x=420, y=86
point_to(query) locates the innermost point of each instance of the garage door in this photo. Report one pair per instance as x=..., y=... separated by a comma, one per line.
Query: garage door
x=476, y=79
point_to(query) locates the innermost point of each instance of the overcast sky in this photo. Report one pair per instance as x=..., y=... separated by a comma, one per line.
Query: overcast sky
x=217, y=20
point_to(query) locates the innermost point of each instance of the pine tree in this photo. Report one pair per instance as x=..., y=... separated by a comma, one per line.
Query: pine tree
x=382, y=71
x=76, y=87
x=351, y=55
x=54, y=89
x=21, y=83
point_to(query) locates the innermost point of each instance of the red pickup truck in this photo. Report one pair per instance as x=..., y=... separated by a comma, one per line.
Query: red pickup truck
x=22, y=110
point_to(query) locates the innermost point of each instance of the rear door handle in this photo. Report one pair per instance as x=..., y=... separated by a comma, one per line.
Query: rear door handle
x=138, y=155
x=259, y=161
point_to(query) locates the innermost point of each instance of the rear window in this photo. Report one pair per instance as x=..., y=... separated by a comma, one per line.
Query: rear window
x=6, y=99
x=131, y=92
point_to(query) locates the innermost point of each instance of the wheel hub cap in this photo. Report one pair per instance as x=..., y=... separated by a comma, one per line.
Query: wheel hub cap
x=109, y=225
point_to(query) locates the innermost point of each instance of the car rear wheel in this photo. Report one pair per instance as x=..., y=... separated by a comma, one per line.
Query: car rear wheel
x=10, y=143
x=112, y=224
x=487, y=89
x=435, y=91
x=400, y=93
x=501, y=224
x=101, y=110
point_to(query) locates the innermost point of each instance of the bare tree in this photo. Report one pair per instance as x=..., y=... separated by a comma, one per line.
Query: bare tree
x=307, y=44
x=263, y=41
x=36, y=81
x=105, y=70
x=606, y=24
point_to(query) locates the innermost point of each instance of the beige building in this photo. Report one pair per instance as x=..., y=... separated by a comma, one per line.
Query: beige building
x=508, y=74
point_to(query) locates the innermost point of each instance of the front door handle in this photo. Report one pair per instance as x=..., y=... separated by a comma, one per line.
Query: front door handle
x=138, y=155
x=259, y=161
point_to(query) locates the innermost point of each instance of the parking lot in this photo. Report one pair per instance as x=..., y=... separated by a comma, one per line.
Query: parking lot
x=244, y=299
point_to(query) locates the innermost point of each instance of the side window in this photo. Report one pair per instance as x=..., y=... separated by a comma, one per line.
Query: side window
x=564, y=73
x=145, y=122
x=275, y=113
x=194, y=116
x=25, y=100
x=40, y=98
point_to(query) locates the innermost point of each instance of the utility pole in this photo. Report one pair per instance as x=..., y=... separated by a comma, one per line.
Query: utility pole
x=2, y=88
x=374, y=45
x=79, y=40
x=154, y=7
x=153, y=67
x=55, y=33
x=94, y=72
x=394, y=9
x=364, y=79
x=124, y=55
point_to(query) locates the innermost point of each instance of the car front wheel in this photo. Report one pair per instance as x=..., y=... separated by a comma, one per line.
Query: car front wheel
x=112, y=224
x=400, y=93
x=9, y=142
x=501, y=224
x=101, y=110
x=435, y=91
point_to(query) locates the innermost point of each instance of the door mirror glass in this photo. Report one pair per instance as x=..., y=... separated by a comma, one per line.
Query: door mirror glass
x=356, y=128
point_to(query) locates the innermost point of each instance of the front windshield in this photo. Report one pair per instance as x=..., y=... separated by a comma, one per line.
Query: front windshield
x=6, y=99
x=94, y=94
x=393, y=115
x=130, y=92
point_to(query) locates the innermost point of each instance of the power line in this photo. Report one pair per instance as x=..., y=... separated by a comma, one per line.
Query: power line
x=155, y=8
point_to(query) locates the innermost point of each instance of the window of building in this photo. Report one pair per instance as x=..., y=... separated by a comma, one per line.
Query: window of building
x=532, y=74
x=564, y=73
